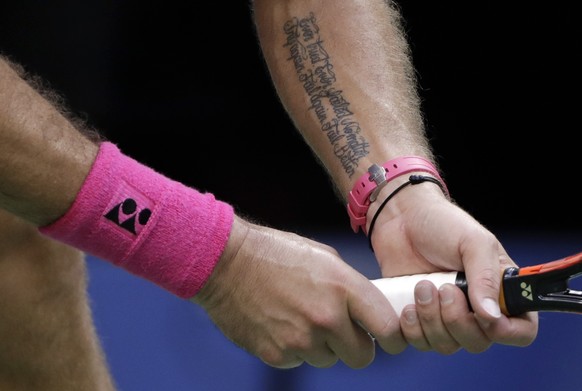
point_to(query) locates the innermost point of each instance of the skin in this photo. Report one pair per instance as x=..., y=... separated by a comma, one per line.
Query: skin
x=290, y=300
x=294, y=330
x=255, y=285
x=47, y=338
x=357, y=53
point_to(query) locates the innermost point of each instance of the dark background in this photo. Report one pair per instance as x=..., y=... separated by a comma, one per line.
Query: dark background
x=181, y=86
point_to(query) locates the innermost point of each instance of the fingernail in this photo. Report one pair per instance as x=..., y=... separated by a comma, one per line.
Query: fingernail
x=424, y=294
x=410, y=316
x=446, y=295
x=491, y=307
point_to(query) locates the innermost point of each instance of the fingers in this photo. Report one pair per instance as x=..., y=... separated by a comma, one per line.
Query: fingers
x=484, y=286
x=441, y=321
x=354, y=346
x=460, y=321
x=481, y=258
x=318, y=343
x=373, y=312
x=422, y=324
x=318, y=355
x=484, y=260
x=370, y=318
x=518, y=331
x=338, y=335
x=348, y=343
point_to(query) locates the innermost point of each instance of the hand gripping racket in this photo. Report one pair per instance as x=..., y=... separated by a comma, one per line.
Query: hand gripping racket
x=543, y=287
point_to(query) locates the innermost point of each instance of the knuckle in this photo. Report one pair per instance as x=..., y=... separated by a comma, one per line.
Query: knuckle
x=296, y=342
x=477, y=347
x=361, y=362
x=272, y=357
x=325, y=319
x=447, y=349
x=276, y=358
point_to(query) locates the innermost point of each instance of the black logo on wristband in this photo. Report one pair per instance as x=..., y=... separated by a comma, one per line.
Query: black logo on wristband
x=127, y=216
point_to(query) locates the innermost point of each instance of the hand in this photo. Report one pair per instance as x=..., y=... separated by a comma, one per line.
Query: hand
x=420, y=231
x=288, y=300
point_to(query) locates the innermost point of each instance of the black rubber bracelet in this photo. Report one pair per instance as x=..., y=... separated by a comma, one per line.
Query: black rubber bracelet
x=412, y=180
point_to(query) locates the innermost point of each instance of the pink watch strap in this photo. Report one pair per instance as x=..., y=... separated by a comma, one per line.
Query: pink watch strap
x=368, y=185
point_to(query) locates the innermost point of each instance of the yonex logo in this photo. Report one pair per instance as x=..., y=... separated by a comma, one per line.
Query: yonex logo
x=526, y=291
x=127, y=216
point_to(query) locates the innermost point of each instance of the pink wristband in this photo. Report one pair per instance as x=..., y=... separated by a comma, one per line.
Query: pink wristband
x=151, y=226
x=368, y=185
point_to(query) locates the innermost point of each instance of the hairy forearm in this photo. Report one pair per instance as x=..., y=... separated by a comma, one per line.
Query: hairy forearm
x=342, y=70
x=43, y=157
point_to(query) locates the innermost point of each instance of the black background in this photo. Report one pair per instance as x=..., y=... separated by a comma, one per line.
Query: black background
x=181, y=86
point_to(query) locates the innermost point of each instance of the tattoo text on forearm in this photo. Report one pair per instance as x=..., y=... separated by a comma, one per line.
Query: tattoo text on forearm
x=315, y=71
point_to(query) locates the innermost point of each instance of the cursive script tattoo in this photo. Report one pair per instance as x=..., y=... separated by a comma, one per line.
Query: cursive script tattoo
x=315, y=72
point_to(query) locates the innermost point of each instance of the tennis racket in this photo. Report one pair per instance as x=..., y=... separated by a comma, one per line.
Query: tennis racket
x=543, y=287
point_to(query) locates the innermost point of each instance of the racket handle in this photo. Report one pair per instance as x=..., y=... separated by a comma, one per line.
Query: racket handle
x=542, y=287
x=400, y=290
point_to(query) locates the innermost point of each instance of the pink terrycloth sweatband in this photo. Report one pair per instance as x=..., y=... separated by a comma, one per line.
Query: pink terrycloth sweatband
x=140, y=220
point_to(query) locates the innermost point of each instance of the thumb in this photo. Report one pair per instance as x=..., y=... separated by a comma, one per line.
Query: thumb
x=483, y=272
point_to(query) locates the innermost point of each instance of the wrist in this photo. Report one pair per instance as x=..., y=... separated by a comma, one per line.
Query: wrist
x=383, y=194
x=222, y=277
x=366, y=189
x=146, y=223
x=398, y=204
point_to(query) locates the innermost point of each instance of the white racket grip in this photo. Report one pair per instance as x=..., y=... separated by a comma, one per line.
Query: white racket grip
x=400, y=290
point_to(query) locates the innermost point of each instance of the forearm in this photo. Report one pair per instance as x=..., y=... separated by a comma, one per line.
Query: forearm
x=342, y=71
x=94, y=198
x=43, y=158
